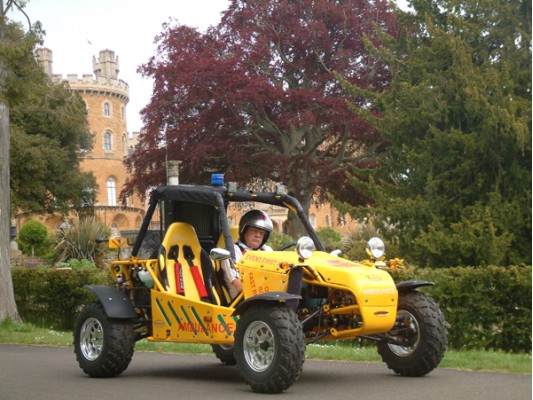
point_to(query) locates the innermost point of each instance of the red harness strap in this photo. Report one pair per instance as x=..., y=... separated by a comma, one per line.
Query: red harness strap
x=180, y=288
x=198, y=281
x=243, y=251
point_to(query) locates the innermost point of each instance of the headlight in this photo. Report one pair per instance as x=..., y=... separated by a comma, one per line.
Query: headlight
x=305, y=247
x=376, y=247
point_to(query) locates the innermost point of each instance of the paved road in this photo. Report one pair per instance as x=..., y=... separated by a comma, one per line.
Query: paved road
x=41, y=373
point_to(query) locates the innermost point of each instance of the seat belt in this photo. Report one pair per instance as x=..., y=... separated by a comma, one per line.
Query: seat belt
x=195, y=272
x=173, y=253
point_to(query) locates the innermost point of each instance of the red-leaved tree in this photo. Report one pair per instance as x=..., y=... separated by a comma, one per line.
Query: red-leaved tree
x=256, y=97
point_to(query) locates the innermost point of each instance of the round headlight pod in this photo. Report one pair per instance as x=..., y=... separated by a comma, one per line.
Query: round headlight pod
x=376, y=247
x=305, y=247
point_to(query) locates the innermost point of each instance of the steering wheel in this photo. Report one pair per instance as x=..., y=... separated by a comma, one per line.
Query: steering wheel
x=287, y=246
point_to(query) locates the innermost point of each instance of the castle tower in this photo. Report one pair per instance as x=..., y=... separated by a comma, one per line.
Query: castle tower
x=106, y=98
x=44, y=56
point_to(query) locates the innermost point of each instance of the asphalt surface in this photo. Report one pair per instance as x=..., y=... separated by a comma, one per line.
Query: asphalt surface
x=35, y=373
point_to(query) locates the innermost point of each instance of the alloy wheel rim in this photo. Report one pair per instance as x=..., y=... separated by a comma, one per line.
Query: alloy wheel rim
x=259, y=346
x=412, y=330
x=91, y=339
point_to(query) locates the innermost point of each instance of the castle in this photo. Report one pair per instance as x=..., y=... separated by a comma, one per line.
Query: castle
x=106, y=98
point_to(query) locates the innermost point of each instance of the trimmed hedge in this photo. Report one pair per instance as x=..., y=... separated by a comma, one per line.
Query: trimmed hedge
x=52, y=298
x=485, y=307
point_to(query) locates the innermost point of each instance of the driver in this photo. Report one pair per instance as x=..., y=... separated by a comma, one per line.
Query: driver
x=255, y=228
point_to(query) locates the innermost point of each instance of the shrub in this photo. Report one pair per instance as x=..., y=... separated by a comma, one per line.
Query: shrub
x=78, y=240
x=355, y=243
x=52, y=298
x=485, y=307
x=33, y=238
x=279, y=239
x=76, y=265
x=330, y=238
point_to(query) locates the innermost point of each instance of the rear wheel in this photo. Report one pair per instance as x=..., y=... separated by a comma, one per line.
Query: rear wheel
x=103, y=346
x=269, y=347
x=225, y=353
x=420, y=336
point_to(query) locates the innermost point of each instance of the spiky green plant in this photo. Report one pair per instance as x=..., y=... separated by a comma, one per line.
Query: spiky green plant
x=78, y=240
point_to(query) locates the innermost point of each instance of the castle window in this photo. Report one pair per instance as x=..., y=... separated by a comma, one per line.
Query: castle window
x=111, y=191
x=124, y=145
x=108, y=143
x=107, y=109
x=342, y=220
x=123, y=113
x=312, y=220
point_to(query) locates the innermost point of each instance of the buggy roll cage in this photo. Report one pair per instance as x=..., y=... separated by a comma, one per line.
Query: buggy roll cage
x=219, y=197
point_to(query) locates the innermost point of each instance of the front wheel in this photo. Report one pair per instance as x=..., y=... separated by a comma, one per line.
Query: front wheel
x=269, y=347
x=103, y=346
x=419, y=336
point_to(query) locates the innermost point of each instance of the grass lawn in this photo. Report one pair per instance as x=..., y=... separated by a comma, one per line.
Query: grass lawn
x=475, y=360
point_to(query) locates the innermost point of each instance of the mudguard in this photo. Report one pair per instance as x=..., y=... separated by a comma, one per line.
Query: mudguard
x=411, y=284
x=116, y=303
x=281, y=297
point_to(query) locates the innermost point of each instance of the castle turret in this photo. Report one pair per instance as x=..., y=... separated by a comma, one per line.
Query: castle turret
x=45, y=59
x=107, y=65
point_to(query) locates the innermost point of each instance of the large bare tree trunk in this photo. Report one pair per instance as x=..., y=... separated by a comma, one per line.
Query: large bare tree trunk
x=8, y=307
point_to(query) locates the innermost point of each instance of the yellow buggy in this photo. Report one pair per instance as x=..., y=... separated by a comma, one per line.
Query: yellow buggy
x=168, y=287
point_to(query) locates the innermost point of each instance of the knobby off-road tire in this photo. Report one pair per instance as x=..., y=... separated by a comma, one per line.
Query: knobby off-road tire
x=423, y=330
x=103, y=346
x=225, y=353
x=269, y=347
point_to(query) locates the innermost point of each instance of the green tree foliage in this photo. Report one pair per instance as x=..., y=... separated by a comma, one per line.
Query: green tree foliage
x=355, y=243
x=453, y=186
x=276, y=240
x=33, y=238
x=48, y=129
x=330, y=238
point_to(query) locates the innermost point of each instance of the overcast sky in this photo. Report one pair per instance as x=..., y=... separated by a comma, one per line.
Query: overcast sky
x=76, y=30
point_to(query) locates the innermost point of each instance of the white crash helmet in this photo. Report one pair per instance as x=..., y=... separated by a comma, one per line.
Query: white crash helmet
x=258, y=219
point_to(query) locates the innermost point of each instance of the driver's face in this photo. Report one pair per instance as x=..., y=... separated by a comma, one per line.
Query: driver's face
x=253, y=237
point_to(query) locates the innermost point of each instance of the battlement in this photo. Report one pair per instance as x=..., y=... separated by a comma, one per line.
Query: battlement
x=104, y=80
x=98, y=85
x=90, y=79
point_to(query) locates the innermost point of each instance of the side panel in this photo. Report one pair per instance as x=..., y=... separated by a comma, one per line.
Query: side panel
x=261, y=273
x=178, y=319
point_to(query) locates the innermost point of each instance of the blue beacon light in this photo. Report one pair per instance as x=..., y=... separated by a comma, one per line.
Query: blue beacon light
x=217, y=179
